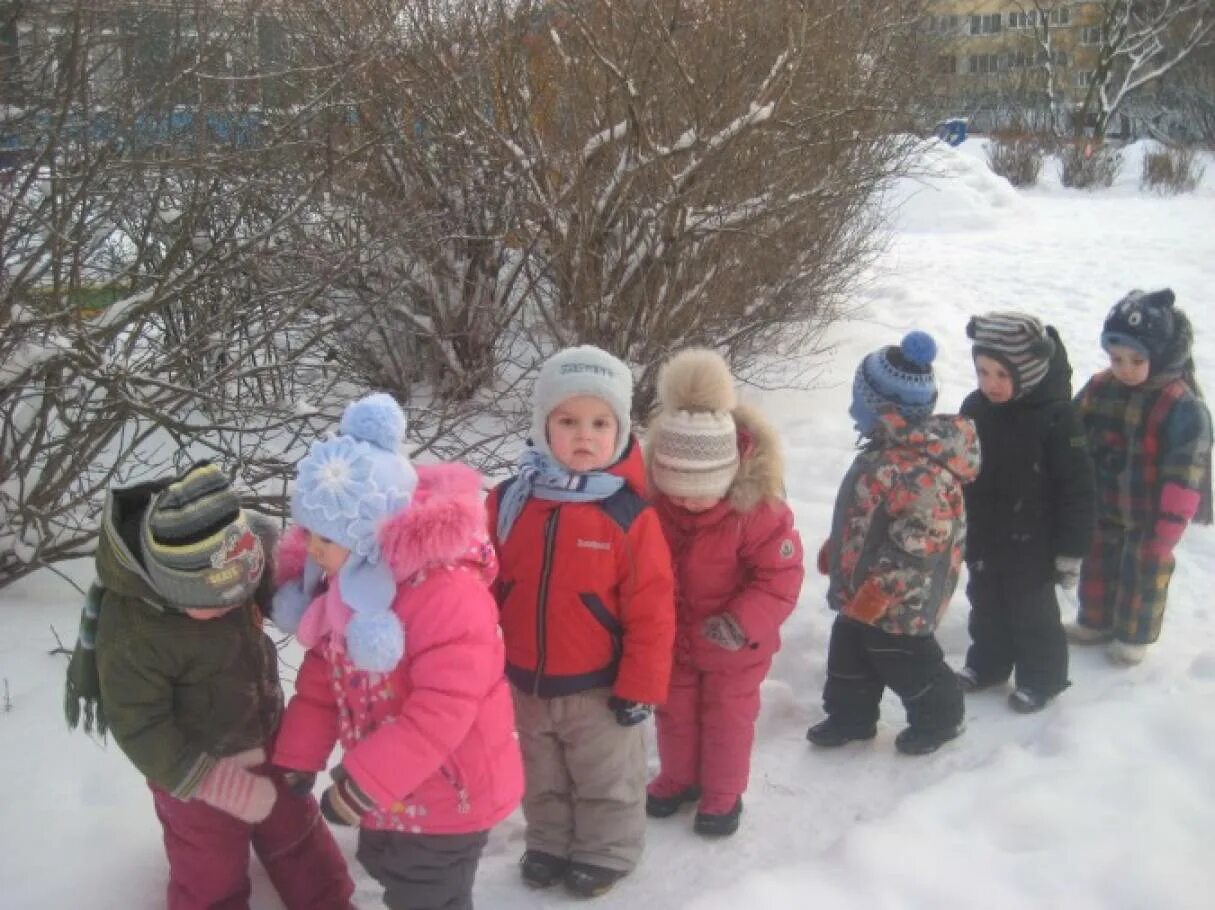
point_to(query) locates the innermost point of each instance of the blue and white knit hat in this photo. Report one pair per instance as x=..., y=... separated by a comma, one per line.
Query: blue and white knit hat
x=344, y=490
x=584, y=370
x=898, y=378
x=1143, y=323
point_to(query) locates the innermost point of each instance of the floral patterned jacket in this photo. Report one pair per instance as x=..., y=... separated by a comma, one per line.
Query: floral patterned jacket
x=899, y=527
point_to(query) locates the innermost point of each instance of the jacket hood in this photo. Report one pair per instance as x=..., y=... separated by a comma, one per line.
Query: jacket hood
x=1057, y=384
x=1176, y=360
x=945, y=439
x=119, y=560
x=444, y=525
x=631, y=467
x=761, y=469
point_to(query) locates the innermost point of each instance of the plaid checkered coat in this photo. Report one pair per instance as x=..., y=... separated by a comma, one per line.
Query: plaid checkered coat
x=1142, y=440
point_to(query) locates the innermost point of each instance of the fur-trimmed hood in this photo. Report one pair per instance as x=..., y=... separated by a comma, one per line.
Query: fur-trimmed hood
x=444, y=525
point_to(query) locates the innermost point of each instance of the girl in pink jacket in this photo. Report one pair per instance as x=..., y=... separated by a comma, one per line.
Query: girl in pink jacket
x=386, y=579
x=717, y=472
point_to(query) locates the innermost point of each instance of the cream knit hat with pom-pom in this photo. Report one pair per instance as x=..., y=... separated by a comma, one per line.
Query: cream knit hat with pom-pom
x=693, y=439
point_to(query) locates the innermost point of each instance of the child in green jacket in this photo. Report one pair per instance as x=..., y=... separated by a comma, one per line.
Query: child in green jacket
x=173, y=662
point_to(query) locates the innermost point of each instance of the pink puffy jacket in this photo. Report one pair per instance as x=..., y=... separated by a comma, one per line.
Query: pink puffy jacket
x=433, y=741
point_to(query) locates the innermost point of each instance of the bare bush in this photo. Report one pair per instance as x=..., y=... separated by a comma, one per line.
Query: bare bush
x=1170, y=171
x=1084, y=166
x=1015, y=156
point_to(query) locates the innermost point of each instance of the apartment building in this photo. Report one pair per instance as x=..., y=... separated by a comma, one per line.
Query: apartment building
x=1001, y=62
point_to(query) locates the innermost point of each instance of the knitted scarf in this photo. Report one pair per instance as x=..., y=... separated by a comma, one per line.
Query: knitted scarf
x=82, y=691
x=541, y=476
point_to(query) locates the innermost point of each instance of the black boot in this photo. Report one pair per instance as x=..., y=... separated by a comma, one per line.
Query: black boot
x=542, y=870
x=666, y=806
x=722, y=825
x=831, y=733
x=920, y=742
x=587, y=880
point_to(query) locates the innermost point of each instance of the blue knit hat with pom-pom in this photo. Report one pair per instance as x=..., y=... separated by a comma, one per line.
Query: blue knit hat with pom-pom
x=344, y=490
x=898, y=378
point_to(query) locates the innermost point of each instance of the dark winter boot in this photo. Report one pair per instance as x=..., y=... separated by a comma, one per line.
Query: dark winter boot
x=542, y=870
x=666, y=806
x=920, y=742
x=718, y=825
x=586, y=880
x=970, y=681
x=830, y=733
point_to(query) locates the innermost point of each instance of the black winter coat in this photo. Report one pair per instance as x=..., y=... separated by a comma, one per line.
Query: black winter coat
x=1035, y=496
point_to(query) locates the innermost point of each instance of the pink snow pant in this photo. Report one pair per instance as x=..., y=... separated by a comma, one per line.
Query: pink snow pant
x=208, y=853
x=706, y=730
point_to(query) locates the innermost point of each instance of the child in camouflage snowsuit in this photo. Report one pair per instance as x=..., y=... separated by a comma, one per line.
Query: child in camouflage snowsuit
x=895, y=550
x=1149, y=432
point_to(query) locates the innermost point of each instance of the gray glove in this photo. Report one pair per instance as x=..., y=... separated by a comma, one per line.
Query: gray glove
x=724, y=631
x=1067, y=572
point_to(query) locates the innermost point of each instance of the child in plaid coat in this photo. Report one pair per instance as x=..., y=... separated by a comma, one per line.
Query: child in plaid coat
x=1149, y=432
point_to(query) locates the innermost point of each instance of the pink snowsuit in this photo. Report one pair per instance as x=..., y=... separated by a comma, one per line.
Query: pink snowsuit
x=433, y=741
x=743, y=557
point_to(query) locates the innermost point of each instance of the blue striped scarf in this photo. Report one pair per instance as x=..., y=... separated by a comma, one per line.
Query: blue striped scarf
x=541, y=476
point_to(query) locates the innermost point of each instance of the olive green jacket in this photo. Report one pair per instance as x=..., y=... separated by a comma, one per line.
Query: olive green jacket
x=179, y=693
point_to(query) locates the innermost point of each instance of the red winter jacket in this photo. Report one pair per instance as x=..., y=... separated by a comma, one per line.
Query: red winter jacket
x=743, y=557
x=586, y=593
x=433, y=741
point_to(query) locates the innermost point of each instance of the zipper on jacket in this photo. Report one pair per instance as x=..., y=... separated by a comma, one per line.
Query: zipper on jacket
x=546, y=569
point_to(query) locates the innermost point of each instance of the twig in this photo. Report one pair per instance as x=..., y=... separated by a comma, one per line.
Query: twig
x=8, y=702
x=61, y=649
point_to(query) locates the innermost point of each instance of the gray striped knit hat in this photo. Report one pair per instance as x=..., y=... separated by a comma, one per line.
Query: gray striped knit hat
x=198, y=548
x=693, y=439
x=1018, y=342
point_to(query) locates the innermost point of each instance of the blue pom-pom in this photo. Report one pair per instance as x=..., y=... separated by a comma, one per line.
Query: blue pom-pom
x=375, y=641
x=289, y=605
x=377, y=419
x=919, y=348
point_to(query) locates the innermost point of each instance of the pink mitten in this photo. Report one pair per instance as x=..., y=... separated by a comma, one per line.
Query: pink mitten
x=231, y=787
x=1178, y=507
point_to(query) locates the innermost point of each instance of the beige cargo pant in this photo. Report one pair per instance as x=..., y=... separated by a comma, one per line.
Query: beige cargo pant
x=585, y=776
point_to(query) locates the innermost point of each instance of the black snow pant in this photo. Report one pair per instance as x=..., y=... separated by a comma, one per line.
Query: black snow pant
x=1013, y=627
x=423, y=871
x=863, y=660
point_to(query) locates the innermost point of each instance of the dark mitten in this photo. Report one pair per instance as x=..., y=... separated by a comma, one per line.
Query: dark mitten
x=299, y=782
x=344, y=802
x=629, y=713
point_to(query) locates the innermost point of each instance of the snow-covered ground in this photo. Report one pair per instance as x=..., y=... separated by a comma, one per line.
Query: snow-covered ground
x=1104, y=800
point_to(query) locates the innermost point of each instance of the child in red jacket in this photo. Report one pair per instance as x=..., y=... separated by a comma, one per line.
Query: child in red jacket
x=588, y=619
x=718, y=472
x=404, y=662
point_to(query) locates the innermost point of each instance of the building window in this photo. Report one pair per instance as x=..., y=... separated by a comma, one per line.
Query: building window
x=1060, y=15
x=983, y=64
x=1083, y=78
x=947, y=64
x=1090, y=34
x=985, y=24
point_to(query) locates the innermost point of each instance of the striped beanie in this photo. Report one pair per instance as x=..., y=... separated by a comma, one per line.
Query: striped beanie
x=1018, y=342
x=693, y=440
x=895, y=378
x=198, y=548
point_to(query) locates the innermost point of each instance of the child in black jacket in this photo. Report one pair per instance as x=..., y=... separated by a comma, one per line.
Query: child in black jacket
x=1030, y=511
